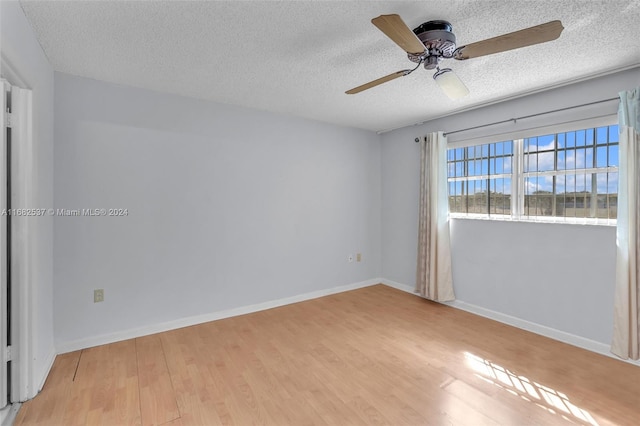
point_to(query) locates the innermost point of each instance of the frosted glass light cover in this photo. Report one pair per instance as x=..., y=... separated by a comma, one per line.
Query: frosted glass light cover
x=450, y=84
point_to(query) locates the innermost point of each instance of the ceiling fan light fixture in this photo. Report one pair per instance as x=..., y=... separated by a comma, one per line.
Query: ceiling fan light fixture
x=434, y=41
x=450, y=84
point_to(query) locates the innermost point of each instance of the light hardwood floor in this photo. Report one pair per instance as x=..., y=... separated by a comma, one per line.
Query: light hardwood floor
x=369, y=356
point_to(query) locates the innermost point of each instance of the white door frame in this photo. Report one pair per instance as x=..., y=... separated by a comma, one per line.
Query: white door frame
x=4, y=400
x=22, y=300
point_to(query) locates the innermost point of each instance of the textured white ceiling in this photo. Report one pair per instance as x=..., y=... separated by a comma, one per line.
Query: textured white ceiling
x=299, y=57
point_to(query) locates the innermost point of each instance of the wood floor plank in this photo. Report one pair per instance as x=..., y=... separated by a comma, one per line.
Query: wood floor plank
x=158, y=403
x=370, y=356
x=106, y=386
x=57, y=388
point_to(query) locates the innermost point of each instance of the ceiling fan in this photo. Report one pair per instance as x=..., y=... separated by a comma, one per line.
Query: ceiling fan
x=434, y=41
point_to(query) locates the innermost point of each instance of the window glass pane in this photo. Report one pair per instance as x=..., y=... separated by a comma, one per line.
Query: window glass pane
x=571, y=159
x=589, y=133
x=581, y=182
x=531, y=145
x=561, y=160
x=601, y=156
x=546, y=142
x=612, y=184
x=477, y=167
x=582, y=195
x=612, y=194
x=603, y=185
x=451, y=169
x=561, y=142
x=530, y=196
x=588, y=159
x=507, y=164
x=545, y=184
x=500, y=196
x=580, y=138
x=580, y=158
x=601, y=135
x=544, y=203
x=570, y=183
x=508, y=147
x=566, y=202
x=613, y=155
x=561, y=195
x=530, y=162
x=613, y=133
x=571, y=139
x=455, y=202
x=546, y=161
x=477, y=196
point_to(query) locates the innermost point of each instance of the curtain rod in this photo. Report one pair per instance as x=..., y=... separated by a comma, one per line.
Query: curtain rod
x=528, y=116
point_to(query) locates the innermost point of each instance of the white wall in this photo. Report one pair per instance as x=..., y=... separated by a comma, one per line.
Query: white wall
x=558, y=276
x=227, y=207
x=22, y=52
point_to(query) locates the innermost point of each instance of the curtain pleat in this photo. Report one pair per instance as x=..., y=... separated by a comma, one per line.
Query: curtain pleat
x=626, y=325
x=433, y=276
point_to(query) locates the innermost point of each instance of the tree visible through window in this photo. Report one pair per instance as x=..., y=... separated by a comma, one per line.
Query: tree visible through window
x=570, y=174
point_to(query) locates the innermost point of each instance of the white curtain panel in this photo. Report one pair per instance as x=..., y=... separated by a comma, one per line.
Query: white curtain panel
x=433, y=276
x=626, y=327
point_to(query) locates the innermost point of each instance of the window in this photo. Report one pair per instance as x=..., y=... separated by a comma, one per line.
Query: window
x=480, y=178
x=560, y=176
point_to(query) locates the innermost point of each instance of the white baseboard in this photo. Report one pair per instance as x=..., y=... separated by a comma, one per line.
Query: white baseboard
x=48, y=365
x=552, y=333
x=199, y=319
x=398, y=286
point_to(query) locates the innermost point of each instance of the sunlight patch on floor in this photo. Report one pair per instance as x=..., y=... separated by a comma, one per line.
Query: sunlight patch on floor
x=543, y=396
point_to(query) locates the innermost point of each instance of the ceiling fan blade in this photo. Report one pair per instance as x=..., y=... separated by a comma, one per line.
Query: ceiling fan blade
x=515, y=40
x=395, y=28
x=374, y=83
x=450, y=84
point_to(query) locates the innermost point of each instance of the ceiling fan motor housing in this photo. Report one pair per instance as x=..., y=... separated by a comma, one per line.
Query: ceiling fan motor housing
x=439, y=42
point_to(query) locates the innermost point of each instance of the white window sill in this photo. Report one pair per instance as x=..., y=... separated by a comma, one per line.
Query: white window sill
x=537, y=219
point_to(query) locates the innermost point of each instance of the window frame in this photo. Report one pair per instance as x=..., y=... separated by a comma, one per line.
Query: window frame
x=518, y=176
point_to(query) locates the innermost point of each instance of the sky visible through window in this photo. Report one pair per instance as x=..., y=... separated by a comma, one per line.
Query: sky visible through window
x=574, y=151
x=482, y=160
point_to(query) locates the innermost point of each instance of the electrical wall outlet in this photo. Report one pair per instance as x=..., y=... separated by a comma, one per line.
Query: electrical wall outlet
x=358, y=257
x=350, y=258
x=98, y=295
